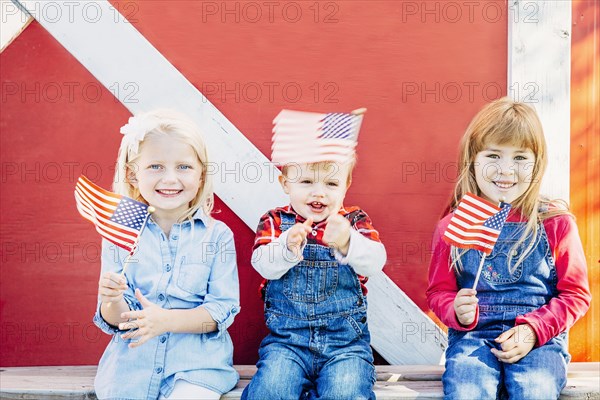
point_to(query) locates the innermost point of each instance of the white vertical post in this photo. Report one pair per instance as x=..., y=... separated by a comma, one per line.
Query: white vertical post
x=539, y=73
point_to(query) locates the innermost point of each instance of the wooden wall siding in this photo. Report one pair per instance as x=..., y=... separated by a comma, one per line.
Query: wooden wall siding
x=539, y=50
x=585, y=159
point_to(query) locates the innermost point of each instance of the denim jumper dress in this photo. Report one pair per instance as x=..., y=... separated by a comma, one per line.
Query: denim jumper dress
x=472, y=371
x=319, y=343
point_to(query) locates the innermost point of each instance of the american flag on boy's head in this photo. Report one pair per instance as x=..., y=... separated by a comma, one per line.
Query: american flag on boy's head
x=305, y=137
x=476, y=224
x=117, y=218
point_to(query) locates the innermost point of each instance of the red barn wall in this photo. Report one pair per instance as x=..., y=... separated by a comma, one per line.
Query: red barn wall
x=421, y=68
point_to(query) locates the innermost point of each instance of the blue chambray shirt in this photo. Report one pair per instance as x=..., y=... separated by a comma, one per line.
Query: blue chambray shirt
x=195, y=266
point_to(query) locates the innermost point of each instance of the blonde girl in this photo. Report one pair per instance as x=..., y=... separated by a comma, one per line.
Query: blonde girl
x=170, y=311
x=509, y=337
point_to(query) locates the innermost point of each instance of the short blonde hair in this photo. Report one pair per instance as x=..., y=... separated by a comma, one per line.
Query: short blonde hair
x=178, y=127
x=352, y=163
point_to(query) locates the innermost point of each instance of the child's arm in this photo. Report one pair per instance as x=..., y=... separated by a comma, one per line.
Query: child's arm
x=356, y=244
x=154, y=320
x=573, y=299
x=216, y=313
x=443, y=295
x=113, y=289
x=274, y=254
x=110, y=290
x=465, y=306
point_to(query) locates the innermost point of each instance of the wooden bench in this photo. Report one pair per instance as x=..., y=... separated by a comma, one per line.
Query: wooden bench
x=393, y=382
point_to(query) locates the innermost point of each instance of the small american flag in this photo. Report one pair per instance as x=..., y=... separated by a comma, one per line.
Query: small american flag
x=305, y=137
x=117, y=218
x=476, y=224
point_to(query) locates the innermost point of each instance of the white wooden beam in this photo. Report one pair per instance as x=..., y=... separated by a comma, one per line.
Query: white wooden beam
x=119, y=56
x=539, y=73
x=401, y=332
x=13, y=22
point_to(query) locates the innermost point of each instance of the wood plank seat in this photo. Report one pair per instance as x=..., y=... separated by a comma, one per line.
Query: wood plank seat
x=393, y=382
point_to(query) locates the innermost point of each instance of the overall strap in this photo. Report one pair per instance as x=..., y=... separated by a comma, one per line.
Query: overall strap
x=287, y=221
x=549, y=251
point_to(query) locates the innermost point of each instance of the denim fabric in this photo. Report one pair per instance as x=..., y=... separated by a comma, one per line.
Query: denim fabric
x=472, y=371
x=319, y=343
x=195, y=266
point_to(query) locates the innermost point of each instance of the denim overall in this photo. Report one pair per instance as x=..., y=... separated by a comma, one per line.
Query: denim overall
x=319, y=342
x=472, y=371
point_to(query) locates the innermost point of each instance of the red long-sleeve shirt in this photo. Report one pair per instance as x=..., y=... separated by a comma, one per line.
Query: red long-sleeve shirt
x=558, y=315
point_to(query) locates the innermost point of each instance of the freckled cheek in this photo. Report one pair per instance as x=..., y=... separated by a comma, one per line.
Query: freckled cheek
x=488, y=171
x=526, y=173
x=525, y=177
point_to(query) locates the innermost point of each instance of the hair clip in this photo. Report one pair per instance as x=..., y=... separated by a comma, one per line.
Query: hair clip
x=136, y=129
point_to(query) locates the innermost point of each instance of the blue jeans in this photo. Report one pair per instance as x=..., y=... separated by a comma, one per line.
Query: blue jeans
x=473, y=372
x=319, y=342
x=283, y=374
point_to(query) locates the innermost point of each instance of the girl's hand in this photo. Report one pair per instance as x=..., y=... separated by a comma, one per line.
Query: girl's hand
x=150, y=322
x=296, y=237
x=465, y=306
x=111, y=287
x=516, y=343
x=337, y=233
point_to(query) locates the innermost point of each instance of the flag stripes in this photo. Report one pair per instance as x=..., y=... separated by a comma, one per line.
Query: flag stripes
x=305, y=137
x=104, y=208
x=103, y=226
x=476, y=224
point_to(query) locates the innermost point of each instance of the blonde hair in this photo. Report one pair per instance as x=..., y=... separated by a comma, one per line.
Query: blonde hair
x=507, y=122
x=351, y=162
x=176, y=126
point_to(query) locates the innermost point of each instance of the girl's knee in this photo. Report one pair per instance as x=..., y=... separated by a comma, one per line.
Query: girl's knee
x=470, y=390
x=464, y=382
x=539, y=375
x=535, y=386
x=545, y=391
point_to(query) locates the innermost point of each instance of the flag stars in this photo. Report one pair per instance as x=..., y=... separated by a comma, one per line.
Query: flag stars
x=130, y=214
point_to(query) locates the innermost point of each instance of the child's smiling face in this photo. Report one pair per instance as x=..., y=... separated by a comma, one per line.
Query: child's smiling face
x=168, y=175
x=316, y=190
x=503, y=172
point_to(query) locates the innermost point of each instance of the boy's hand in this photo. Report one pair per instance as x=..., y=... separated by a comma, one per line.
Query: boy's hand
x=296, y=237
x=337, y=233
x=465, y=306
x=516, y=343
x=147, y=323
x=111, y=287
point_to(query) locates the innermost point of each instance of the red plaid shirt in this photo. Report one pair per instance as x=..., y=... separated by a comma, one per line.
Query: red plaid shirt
x=269, y=230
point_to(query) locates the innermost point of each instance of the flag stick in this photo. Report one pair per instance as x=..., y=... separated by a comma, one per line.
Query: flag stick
x=484, y=256
x=128, y=258
x=479, y=270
